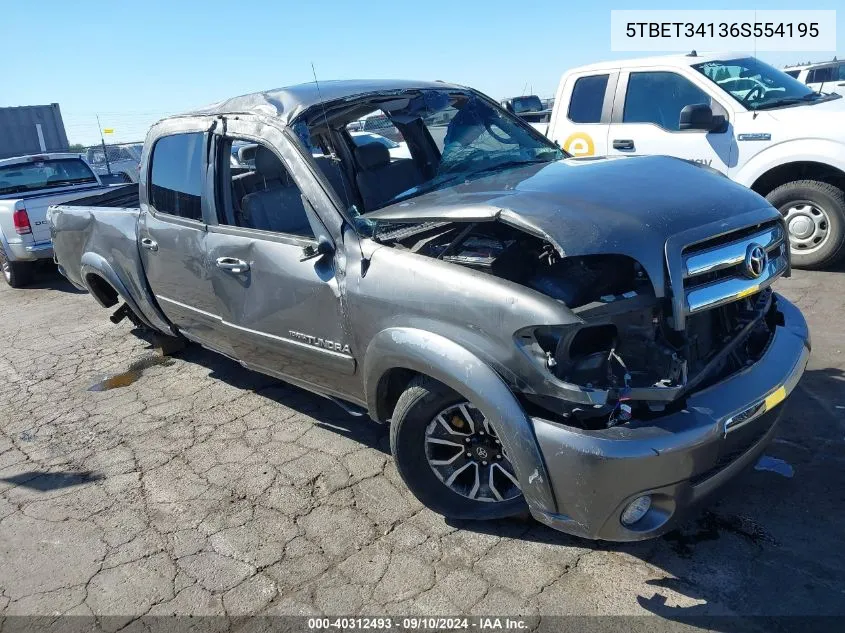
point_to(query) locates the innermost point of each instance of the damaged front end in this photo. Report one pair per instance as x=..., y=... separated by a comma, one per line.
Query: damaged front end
x=634, y=350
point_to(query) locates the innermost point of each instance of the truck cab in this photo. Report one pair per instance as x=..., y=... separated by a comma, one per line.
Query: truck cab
x=821, y=76
x=728, y=112
x=530, y=109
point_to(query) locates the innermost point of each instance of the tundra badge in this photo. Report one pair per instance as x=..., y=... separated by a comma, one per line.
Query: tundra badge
x=319, y=342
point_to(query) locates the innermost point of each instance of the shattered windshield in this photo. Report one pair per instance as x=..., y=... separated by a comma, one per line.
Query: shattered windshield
x=472, y=138
x=756, y=85
x=432, y=138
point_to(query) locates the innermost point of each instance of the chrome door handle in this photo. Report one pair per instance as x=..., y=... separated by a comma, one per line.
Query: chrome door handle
x=623, y=144
x=232, y=265
x=149, y=244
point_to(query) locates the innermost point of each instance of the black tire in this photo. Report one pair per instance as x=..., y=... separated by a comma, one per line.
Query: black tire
x=16, y=274
x=418, y=405
x=831, y=200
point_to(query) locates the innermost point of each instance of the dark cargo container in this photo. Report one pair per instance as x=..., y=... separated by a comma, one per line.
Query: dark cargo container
x=31, y=129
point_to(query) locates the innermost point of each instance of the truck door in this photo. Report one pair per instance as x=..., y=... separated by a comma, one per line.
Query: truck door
x=646, y=120
x=582, y=112
x=172, y=237
x=279, y=299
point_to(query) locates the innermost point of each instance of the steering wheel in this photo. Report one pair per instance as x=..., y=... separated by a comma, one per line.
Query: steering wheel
x=756, y=92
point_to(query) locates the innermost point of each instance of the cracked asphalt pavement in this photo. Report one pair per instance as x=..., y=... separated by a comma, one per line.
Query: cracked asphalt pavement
x=201, y=488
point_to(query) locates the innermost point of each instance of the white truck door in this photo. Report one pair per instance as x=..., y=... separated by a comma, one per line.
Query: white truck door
x=582, y=110
x=646, y=119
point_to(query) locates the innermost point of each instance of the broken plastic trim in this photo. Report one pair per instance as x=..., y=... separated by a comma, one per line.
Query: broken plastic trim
x=575, y=394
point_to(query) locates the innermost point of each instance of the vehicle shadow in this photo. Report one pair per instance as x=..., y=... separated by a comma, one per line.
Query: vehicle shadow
x=325, y=412
x=44, y=482
x=48, y=277
x=769, y=546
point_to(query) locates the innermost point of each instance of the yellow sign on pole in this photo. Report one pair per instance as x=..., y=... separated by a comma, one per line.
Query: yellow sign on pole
x=108, y=130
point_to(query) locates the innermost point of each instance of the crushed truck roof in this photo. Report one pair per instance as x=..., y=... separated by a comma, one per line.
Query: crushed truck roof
x=289, y=102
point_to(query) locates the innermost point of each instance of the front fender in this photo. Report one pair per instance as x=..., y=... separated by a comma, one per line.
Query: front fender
x=446, y=361
x=92, y=263
x=803, y=150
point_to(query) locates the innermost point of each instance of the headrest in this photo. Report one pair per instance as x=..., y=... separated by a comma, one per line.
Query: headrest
x=268, y=165
x=372, y=156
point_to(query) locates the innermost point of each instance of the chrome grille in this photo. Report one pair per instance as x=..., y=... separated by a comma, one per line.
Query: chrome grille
x=720, y=271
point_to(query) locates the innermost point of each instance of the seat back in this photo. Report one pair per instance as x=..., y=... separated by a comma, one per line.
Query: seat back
x=278, y=206
x=380, y=180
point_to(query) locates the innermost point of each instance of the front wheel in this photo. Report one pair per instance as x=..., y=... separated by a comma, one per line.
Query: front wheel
x=16, y=274
x=450, y=457
x=815, y=218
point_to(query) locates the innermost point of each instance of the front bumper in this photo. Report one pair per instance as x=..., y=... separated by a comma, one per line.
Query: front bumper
x=678, y=459
x=21, y=252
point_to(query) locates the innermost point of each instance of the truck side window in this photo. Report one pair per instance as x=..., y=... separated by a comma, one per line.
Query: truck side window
x=587, y=99
x=819, y=75
x=264, y=195
x=177, y=172
x=659, y=97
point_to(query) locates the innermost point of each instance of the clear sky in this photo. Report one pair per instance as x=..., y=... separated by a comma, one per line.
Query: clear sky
x=135, y=62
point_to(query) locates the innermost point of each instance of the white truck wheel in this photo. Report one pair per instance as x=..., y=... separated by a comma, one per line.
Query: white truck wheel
x=815, y=219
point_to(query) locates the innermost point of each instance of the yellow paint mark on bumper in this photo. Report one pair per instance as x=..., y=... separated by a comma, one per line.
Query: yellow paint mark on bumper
x=775, y=398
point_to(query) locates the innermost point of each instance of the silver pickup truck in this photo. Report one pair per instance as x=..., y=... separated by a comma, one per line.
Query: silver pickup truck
x=594, y=340
x=28, y=185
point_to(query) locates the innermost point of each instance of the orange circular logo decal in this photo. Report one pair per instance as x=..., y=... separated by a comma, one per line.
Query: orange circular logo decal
x=579, y=144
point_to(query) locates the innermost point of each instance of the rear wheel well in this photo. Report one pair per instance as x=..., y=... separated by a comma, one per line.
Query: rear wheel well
x=801, y=170
x=102, y=290
x=391, y=385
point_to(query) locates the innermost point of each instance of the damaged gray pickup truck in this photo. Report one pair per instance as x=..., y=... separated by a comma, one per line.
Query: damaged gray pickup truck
x=594, y=340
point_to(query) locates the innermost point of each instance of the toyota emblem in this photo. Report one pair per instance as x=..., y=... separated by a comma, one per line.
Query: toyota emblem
x=756, y=260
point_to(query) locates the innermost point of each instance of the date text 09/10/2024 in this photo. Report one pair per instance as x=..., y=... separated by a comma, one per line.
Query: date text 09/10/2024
x=417, y=623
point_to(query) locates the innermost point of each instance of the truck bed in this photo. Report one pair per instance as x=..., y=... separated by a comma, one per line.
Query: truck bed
x=123, y=196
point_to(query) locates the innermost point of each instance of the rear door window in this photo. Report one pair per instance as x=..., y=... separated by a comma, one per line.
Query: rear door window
x=587, y=99
x=177, y=175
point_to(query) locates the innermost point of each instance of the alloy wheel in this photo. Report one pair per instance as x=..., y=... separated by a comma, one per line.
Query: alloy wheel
x=465, y=453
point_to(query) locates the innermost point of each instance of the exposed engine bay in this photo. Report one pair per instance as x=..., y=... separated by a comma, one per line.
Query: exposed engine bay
x=624, y=345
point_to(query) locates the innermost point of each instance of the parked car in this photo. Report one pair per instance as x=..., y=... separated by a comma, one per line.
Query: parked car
x=530, y=108
x=28, y=185
x=594, y=340
x=778, y=137
x=122, y=164
x=378, y=123
x=822, y=76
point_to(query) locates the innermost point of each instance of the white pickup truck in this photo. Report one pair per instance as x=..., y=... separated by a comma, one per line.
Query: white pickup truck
x=736, y=114
x=28, y=185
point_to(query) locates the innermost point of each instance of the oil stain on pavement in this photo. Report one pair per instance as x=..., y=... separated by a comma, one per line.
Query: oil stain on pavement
x=710, y=526
x=135, y=371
